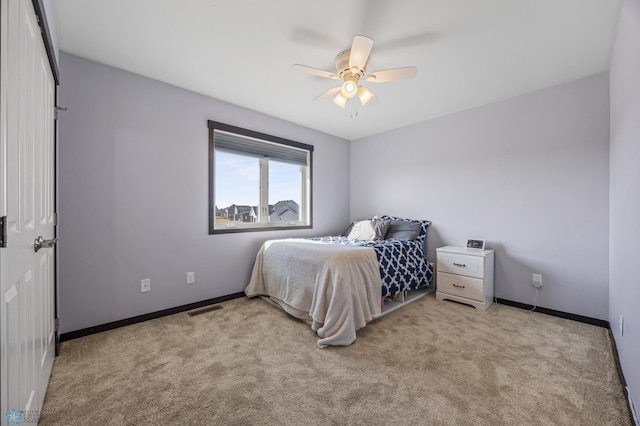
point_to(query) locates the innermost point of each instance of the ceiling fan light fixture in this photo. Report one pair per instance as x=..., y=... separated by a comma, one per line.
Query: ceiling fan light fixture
x=364, y=95
x=349, y=89
x=340, y=100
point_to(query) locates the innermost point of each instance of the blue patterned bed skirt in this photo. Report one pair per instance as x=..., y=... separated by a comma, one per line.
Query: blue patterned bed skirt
x=403, y=265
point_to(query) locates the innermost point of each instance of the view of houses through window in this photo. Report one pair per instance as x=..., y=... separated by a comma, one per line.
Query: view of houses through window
x=257, y=181
x=237, y=189
x=282, y=211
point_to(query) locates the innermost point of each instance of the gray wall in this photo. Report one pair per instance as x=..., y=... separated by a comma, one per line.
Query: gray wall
x=528, y=174
x=48, y=10
x=133, y=194
x=624, y=287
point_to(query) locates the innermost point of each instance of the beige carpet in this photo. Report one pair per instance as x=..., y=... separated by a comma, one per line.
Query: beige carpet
x=430, y=363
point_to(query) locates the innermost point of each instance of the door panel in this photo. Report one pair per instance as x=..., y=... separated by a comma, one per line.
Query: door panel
x=27, y=324
x=11, y=343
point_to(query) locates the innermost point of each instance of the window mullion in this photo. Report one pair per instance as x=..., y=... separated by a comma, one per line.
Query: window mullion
x=264, y=190
x=302, y=216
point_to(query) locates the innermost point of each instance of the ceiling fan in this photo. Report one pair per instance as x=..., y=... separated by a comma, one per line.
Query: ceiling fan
x=351, y=69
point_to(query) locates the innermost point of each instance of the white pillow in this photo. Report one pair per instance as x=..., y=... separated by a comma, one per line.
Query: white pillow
x=369, y=230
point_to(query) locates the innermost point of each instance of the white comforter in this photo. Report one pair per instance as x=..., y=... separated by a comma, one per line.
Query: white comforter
x=335, y=288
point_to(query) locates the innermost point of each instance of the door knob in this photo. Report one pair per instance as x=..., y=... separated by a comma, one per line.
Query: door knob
x=42, y=243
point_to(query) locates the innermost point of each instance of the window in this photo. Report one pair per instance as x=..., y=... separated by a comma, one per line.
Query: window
x=257, y=182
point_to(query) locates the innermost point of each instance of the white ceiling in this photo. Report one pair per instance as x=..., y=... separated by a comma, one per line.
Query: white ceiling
x=468, y=52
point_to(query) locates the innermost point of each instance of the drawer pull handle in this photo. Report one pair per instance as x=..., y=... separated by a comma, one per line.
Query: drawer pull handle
x=457, y=286
x=462, y=265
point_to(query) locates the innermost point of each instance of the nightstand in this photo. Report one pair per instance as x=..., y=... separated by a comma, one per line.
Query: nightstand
x=465, y=275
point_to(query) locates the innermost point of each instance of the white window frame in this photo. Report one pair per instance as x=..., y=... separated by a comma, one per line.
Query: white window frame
x=254, y=144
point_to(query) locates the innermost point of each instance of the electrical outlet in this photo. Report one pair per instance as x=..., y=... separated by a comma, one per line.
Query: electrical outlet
x=145, y=285
x=191, y=277
x=536, y=280
x=621, y=325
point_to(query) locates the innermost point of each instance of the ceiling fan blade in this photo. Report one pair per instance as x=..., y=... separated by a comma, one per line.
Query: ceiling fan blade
x=328, y=93
x=393, y=74
x=315, y=71
x=360, y=50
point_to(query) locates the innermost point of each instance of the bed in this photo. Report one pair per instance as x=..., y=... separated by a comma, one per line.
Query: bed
x=337, y=284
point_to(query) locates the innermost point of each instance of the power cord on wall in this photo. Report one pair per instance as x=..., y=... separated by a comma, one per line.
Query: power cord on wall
x=535, y=301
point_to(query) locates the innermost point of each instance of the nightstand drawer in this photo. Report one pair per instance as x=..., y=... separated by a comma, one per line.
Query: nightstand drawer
x=472, y=288
x=471, y=266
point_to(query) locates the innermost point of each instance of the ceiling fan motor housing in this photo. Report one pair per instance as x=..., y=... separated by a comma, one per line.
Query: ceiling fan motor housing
x=342, y=67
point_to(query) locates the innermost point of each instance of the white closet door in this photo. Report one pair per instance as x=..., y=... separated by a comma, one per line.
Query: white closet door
x=27, y=325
